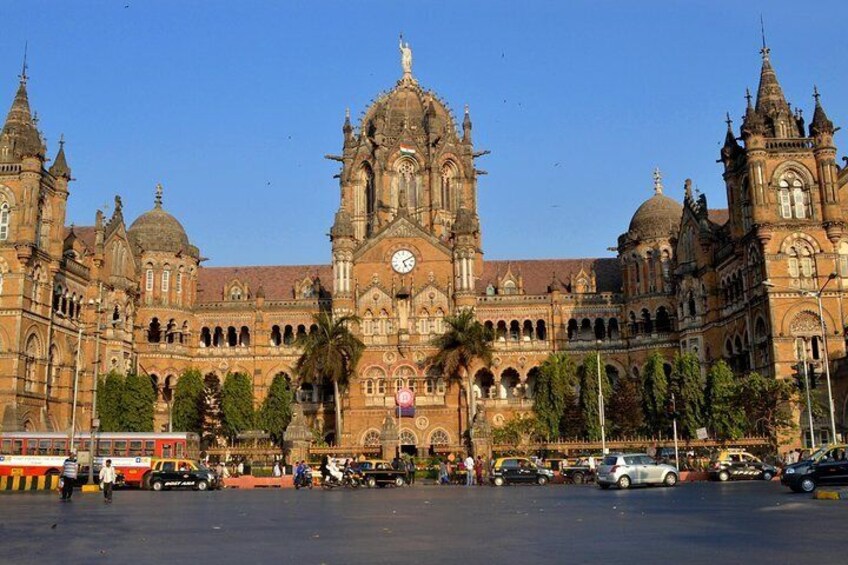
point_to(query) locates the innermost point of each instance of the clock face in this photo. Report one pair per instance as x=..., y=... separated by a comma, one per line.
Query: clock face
x=403, y=261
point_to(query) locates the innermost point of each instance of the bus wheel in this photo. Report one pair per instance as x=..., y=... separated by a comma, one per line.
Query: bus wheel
x=51, y=473
x=145, y=481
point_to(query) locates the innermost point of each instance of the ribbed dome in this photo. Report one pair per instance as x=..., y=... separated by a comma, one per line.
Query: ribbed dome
x=658, y=216
x=157, y=230
x=406, y=103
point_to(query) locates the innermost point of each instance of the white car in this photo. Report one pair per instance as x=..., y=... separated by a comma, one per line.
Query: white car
x=626, y=469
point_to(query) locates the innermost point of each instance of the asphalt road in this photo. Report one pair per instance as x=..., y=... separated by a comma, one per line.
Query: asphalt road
x=752, y=522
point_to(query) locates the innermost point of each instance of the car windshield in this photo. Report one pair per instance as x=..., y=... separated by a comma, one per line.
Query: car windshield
x=610, y=460
x=819, y=453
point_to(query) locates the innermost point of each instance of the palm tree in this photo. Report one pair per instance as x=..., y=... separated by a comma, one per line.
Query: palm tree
x=330, y=353
x=464, y=342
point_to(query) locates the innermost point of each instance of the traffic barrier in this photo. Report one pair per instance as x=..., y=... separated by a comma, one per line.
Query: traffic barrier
x=49, y=482
x=824, y=494
x=250, y=482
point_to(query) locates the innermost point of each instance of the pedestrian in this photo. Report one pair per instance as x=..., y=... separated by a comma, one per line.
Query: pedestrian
x=469, y=470
x=444, y=476
x=410, y=472
x=450, y=470
x=240, y=468
x=107, y=481
x=277, y=471
x=478, y=470
x=69, y=476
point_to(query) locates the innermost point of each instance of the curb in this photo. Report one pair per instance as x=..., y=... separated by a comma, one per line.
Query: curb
x=831, y=495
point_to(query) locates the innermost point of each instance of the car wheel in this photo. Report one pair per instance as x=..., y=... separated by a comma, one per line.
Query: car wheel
x=157, y=486
x=577, y=478
x=499, y=481
x=603, y=486
x=724, y=476
x=202, y=485
x=542, y=481
x=808, y=485
x=624, y=482
x=670, y=480
x=371, y=482
x=399, y=482
x=767, y=475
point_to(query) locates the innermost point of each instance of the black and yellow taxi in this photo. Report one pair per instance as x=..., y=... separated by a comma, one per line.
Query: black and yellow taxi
x=379, y=473
x=735, y=464
x=518, y=470
x=166, y=474
x=828, y=466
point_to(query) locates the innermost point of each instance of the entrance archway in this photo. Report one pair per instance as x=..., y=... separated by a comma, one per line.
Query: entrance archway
x=408, y=443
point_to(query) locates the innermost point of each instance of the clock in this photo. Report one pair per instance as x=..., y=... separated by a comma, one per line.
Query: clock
x=403, y=261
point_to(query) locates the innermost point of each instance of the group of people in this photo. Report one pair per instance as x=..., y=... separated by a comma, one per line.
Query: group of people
x=70, y=472
x=475, y=471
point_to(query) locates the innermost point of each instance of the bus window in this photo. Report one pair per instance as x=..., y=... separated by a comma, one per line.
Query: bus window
x=104, y=448
x=6, y=446
x=166, y=450
x=60, y=446
x=86, y=444
x=180, y=449
x=135, y=447
x=149, y=448
x=31, y=446
x=17, y=447
x=120, y=449
x=44, y=447
x=78, y=444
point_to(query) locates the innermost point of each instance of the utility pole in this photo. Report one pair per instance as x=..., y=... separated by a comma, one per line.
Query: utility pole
x=601, y=417
x=95, y=421
x=674, y=427
x=803, y=351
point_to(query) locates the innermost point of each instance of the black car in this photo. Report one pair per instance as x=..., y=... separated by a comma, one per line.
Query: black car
x=735, y=464
x=170, y=478
x=826, y=467
x=518, y=470
x=378, y=473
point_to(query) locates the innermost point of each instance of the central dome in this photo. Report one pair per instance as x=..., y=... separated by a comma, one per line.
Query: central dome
x=658, y=216
x=407, y=105
x=157, y=230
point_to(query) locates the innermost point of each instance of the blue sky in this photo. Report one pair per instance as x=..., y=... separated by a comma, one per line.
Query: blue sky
x=232, y=105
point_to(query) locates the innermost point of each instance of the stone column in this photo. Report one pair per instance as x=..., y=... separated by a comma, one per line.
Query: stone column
x=481, y=434
x=297, y=437
x=389, y=438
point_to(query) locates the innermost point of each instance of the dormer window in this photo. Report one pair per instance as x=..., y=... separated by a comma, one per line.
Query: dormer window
x=235, y=293
x=509, y=287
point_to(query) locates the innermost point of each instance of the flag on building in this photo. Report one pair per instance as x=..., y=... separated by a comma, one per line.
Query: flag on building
x=407, y=149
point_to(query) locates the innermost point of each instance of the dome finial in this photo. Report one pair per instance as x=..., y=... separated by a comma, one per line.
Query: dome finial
x=157, y=201
x=765, y=50
x=658, y=186
x=23, y=75
x=405, y=58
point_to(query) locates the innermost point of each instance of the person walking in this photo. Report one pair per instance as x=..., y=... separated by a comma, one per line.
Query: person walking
x=410, y=471
x=469, y=471
x=69, y=476
x=107, y=481
x=444, y=476
x=478, y=470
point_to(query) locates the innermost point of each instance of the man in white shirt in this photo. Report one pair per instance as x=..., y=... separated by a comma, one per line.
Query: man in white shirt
x=107, y=480
x=469, y=470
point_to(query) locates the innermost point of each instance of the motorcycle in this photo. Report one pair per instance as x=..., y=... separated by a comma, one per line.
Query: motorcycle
x=350, y=478
x=303, y=479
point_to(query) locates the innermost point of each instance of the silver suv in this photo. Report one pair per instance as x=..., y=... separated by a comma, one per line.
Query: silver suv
x=625, y=469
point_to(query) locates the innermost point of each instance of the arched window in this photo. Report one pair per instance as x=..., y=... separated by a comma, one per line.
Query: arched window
x=509, y=287
x=166, y=280
x=449, y=187
x=4, y=221
x=32, y=353
x=148, y=280
x=843, y=259
x=801, y=265
x=276, y=336
x=439, y=437
x=371, y=438
x=154, y=331
x=407, y=185
x=794, y=197
x=205, y=338
x=235, y=293
x=179, y=284
x=366, y=201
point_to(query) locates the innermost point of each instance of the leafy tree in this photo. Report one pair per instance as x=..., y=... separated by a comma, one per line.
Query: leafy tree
x=187, y=407
x=211, y=409
x=588, y=397
x=331, y=353
x=625, y=408
x=655, y=394
x=137, y=403
x=237, y=405
x=276, y=411
x=109, y=402
x=687, y=385
x=465, y=342
x=554, y=393
x=517, y=431
x=723, y=413
x=767, y=405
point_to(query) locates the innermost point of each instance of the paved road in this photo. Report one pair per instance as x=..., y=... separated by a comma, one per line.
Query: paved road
x=752, y=522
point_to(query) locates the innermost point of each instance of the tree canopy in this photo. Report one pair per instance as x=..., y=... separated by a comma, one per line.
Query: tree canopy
x=188, y=404
x=724, y=416
x=588, y=397
x=137, y=400
x=554, y=396
x=237, y=414
x=276, y=412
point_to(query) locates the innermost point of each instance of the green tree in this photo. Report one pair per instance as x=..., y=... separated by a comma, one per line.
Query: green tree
x=655, y=394
x=110, y=395
x=331, y=353
x=554, y=392
x=767, y=405
x=625, y=408
x=465, y=342
x=137, y=403
x=687, y=385
x=187, y=406
x=723, y=414
x=237, y=414
x=276, y=411
x=519, y=431
x=588, y=397
x=211, y=409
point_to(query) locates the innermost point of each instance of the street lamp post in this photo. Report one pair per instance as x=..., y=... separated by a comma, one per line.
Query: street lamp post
x=803, y=351
x=818, y=296
x=76, y=390
x=601, y=416
x=95, y=421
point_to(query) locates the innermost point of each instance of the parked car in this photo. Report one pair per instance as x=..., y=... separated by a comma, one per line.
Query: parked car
x=167, y=475
x=827, y=466
x=578, y=473
x=626, y=469
x=379, y=473
x=739, y=464
x=518, y=470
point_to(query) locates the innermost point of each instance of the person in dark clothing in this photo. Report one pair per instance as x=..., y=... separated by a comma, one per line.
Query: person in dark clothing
x=69, y=476
x=410, y=472
x=324, y=472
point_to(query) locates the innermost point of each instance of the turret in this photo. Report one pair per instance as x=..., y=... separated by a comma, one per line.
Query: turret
x=822, y=130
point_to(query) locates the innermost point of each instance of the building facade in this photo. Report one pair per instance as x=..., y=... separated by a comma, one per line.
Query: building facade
x=406, y=251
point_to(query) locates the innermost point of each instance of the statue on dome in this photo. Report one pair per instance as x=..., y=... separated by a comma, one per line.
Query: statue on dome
x=405, y=57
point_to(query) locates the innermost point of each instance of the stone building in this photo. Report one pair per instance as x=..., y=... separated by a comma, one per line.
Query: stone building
x=407, y=250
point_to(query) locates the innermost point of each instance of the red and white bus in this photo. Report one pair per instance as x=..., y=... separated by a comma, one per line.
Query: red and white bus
x=43, y=453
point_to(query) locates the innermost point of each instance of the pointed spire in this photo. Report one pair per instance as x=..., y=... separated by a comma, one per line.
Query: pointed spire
x=770, y=99
x=60, y=166
x=157, y=200
x=466, y=126
x=20, y=132
x=753, y=123
x=658, y=185
x=730, y=147
x=821, y=124
x=23, y=75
